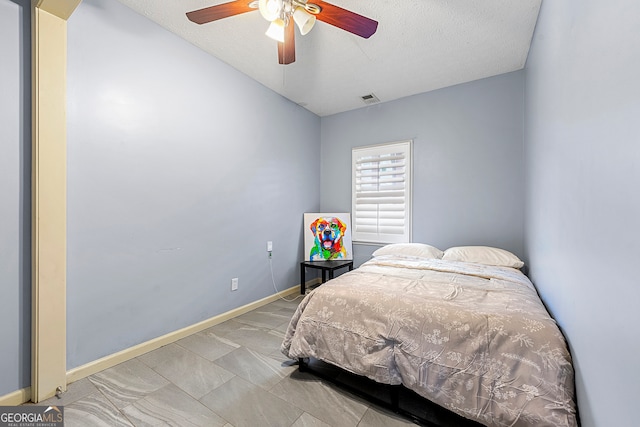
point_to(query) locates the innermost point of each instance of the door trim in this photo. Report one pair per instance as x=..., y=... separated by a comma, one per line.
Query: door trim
x=49, y=187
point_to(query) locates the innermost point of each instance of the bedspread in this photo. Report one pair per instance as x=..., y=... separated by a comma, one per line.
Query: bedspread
x=472, y=338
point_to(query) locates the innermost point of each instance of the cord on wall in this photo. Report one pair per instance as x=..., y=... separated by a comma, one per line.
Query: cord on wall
x=273, y=280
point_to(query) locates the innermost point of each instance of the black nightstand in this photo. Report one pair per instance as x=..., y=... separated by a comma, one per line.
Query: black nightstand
x=327, y=267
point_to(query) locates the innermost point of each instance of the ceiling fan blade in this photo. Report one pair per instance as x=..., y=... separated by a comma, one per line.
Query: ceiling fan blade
x=346, y=20
x=287, y=50
x=224, y=10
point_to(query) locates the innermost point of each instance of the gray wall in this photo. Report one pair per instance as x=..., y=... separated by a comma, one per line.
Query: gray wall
x=583, y=185
x=468, y=161
x=15, y=216
x=179, y=170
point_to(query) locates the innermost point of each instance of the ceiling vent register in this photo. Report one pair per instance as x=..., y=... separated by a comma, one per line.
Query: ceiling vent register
x=370, y=99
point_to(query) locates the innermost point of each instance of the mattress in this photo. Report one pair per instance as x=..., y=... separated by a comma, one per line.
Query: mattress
x=472, y=338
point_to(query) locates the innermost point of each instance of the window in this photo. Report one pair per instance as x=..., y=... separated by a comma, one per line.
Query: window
x=381, y=193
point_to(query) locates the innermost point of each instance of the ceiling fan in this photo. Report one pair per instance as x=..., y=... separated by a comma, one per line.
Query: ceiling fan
x=282, y=13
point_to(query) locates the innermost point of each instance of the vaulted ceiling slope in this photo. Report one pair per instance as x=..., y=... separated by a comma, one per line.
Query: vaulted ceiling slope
x=419, y=46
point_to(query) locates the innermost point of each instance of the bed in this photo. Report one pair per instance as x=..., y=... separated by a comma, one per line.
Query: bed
x=472, y=337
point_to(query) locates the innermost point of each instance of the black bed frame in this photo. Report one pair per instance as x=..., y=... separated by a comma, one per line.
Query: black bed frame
x=397, y=399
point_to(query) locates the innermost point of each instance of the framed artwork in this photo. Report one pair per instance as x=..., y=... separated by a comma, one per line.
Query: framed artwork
x=327, y=236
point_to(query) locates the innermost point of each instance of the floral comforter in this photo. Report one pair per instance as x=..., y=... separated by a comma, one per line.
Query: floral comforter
x=474, y=339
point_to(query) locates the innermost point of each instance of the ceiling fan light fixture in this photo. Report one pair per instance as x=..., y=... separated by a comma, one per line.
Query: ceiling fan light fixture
x=270, y=9
x=276, y=30
x=282, y=13
x=303, y=19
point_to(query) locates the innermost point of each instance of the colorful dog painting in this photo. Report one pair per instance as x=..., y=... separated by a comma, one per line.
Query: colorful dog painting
x=329, y=238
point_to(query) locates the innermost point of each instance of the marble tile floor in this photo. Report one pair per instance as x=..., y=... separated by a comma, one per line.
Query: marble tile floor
x=230, y=375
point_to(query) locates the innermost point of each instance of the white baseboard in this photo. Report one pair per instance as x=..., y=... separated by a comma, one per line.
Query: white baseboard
x=111, y=360
x=16, y=398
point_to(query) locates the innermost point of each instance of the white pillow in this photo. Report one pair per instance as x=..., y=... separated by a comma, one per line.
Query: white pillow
x=483, y=255
x=411, y=250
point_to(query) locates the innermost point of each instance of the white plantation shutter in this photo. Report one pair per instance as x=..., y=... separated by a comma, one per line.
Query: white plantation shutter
x=381, y=194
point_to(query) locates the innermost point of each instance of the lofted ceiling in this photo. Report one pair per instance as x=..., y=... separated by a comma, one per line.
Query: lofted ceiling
x=420, y=45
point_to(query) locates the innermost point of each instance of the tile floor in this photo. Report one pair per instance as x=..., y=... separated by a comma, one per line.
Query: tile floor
x=230, y=375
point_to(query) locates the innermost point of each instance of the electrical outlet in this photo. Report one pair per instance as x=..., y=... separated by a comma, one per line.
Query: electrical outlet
x=234, y=284
x=269, y=246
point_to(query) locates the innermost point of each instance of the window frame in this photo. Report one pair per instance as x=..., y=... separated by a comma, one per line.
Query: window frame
x=406, y=147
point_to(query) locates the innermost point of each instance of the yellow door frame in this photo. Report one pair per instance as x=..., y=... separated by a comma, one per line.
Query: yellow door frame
x=49, y=188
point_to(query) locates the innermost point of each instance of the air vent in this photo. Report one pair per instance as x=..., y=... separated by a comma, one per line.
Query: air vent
x=370, y=99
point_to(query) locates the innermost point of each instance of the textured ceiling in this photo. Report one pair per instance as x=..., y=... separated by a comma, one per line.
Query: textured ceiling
x=420, y=45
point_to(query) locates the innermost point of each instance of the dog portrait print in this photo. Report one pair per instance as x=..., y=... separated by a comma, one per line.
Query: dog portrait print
x=328, y=234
